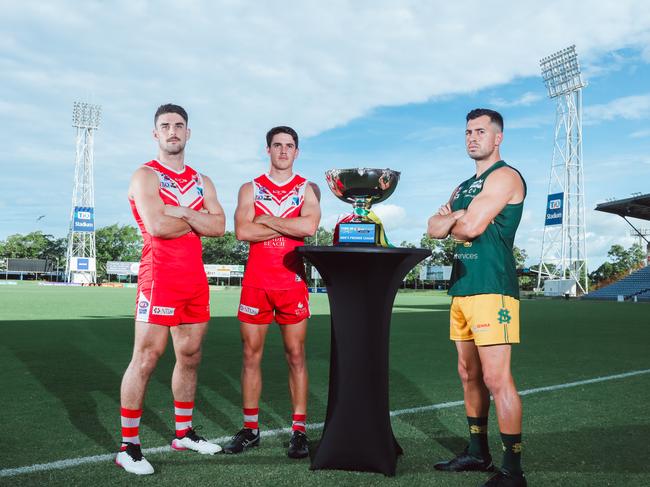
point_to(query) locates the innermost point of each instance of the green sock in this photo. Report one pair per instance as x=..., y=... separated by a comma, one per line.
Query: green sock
x=511, y=453
x=478, y=434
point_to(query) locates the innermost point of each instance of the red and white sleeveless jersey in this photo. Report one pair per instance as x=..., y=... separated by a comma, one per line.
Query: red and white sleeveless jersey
x=167, y=260
x=274, y=264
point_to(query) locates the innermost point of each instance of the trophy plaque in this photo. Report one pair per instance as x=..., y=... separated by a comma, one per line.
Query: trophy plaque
x=362, y=188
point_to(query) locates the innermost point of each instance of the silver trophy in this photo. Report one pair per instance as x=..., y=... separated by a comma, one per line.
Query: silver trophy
x=362, y=188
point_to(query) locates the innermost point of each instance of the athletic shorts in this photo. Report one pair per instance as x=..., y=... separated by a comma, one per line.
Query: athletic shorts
x=173, y=305
x=259, y=306
x=488, y=319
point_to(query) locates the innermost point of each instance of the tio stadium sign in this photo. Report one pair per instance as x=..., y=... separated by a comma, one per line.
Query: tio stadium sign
x=84, y=219
x=554, y=209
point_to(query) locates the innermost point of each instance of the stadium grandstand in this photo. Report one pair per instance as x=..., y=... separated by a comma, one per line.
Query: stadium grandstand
x=635, y=286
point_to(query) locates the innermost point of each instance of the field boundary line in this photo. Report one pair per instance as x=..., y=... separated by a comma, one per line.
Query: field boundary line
x=75, y=462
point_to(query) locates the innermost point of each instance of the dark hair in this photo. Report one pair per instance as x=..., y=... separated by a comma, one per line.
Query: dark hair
x=170, y=108
x=495, y=117
x=281, y=130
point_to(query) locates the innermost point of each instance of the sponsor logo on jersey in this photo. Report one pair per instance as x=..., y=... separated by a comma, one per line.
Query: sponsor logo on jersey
x=262, y=194
x=298, y=278
x=481, y=327
x=248, y=310
x=276, y=242
x=466, y=256
x=162, y=311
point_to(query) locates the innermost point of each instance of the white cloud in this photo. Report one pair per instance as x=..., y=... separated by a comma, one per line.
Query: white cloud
x=524, y=100
x=633, y=107
x=242, y=67
x=640, y=134
x=431, y=133
x=392, y=216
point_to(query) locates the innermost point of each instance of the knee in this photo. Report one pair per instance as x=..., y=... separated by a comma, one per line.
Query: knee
x=189, y=359
x=496, y=381
x=468, y=373
x=252, y=356
x=144, y=361
x=295, y=357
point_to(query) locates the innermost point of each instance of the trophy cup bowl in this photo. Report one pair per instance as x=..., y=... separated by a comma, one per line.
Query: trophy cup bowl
x=361, y=187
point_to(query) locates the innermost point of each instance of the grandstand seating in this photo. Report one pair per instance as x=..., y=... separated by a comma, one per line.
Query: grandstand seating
x=636, y=284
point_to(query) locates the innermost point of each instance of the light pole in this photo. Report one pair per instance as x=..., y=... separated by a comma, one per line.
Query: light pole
x=81, y=254
x=564, y=254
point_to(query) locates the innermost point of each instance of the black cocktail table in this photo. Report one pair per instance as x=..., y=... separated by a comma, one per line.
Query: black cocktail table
x=361, y=286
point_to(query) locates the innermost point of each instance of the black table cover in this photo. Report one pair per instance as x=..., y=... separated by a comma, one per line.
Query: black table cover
x=361, y=286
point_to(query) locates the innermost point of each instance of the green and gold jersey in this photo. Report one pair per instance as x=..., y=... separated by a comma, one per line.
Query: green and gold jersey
x=486, y=265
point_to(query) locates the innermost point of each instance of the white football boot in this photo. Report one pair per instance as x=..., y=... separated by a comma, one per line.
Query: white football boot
x=132, y=460
x=194, y=442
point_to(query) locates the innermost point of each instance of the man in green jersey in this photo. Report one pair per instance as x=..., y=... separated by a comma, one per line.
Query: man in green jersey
x=482, y=216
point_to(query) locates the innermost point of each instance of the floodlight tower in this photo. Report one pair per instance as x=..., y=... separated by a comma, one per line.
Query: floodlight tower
x=80, y=259
x=563, y=245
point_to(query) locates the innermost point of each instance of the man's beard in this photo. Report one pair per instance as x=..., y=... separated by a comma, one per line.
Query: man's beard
x=479, y=156
x=174, y=149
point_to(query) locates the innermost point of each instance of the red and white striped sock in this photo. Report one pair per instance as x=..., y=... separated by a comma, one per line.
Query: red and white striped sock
x=130, y=419
x=299, y=422
x=183, y=411
x=251, y=416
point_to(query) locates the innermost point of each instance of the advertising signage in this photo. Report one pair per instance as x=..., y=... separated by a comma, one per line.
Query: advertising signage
x=84, y=219
x=554, y=209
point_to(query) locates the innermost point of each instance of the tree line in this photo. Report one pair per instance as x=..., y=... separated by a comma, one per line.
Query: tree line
x=124, y=243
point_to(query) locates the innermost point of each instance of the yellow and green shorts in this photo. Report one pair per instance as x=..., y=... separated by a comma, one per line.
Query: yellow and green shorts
x=488, y=319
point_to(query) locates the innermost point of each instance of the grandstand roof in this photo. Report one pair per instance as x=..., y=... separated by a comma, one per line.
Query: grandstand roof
x=636, y=207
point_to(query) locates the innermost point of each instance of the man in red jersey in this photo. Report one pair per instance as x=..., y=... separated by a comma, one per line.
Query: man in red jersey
x=275, y=212
x=174, y=206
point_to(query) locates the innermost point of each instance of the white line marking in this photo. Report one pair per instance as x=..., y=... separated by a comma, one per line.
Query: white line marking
x=74, y=462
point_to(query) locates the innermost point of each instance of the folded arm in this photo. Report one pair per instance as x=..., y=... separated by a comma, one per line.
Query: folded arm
x=245, y=228
x=144, y=191
x=211, y=220
x=504, y=186
x=302, y=226
x=440, y=224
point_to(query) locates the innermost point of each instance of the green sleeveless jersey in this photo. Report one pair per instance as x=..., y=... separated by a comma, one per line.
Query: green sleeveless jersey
x=486, y=265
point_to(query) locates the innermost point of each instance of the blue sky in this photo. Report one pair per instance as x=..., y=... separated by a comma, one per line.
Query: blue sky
x=375, y=84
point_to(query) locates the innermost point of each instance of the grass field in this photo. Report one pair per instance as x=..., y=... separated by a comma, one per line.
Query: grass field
x=63, y=352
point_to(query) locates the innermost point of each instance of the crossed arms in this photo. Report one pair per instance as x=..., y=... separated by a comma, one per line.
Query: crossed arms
x=504, y=186
x=166, y=221
x=251, y=228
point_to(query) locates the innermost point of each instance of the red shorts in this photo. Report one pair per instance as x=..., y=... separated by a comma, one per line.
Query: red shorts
x=172, y=305
x=259, y=306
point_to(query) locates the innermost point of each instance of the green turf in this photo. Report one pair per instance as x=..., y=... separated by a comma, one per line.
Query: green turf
x=63, y=352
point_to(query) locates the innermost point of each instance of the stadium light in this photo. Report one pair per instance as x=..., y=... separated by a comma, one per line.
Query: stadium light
x=564, y=253
x=561, y=72
x=86, y=115
x=81, y=253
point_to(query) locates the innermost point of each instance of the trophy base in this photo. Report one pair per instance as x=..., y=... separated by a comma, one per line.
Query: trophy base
x=357, y=233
